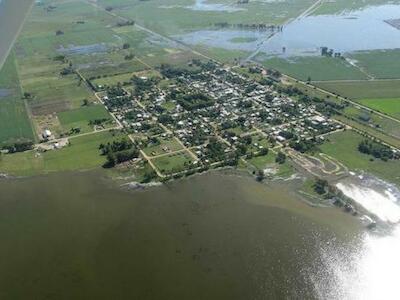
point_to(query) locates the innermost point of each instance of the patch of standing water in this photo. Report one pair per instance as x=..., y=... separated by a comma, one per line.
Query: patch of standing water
x=375, y=195
x=85, y=49
x=202, y=5
x=225, y=39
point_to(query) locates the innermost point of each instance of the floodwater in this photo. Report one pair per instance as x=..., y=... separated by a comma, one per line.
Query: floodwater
x=363, y=29
x=12, y=16
x=202, y=5
x=357, y=30
x=80, y=236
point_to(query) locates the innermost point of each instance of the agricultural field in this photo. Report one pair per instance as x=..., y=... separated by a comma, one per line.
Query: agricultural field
x=343, y=146
x=176, y=17
x=388, y=106
x=14, y=119
x=315, y=68
x=363, y=89
x=82, y=118
x=162, y=146
x=380, y=64
x=173, y=163
x=82, y=153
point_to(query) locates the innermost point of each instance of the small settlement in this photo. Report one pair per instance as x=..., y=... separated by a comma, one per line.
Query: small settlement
x=206, y=115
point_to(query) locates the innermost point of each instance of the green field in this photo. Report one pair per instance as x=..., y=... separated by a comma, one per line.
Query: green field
x=169, y=144
x=82, y=153
x=389, y=106
x=80, y=118
x=343, y=146
x=383, y=64
x=14, y=120
x=363, y=89
x=317, y=68
x=173, y=163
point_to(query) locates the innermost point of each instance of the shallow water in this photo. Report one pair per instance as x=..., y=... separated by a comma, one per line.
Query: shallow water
x=350, y=31
x=79, y=236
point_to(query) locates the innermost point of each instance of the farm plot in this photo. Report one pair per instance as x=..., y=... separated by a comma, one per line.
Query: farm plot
x=54, y=93
x=82, y=153
x=388, y=106
x=363, y=89
x=343, y=146
x=14, y=119
x=383, y=64
x=173, y=163
x=160, y=145
x=84, y=118
x=314, y=68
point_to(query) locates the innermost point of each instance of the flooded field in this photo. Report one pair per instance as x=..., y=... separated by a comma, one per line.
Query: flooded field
x=347, y=32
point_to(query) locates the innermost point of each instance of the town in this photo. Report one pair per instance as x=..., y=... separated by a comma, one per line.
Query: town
x=206, y=115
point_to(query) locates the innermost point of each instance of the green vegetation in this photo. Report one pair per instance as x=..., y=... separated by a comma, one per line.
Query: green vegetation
x=84, y=117
x=173, y=163
x=82, y=153
x=314, y=68
x=157, y=146
x=343, y=146
x=363, y=89
x=389, y=106
x=380, y=63
x=14, y=120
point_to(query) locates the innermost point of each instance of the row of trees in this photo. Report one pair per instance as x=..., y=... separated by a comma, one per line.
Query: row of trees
x=118, y=152
x=375, y=149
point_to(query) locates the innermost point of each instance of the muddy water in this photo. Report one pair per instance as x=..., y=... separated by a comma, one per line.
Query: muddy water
x=12, y=16
x=79, y=236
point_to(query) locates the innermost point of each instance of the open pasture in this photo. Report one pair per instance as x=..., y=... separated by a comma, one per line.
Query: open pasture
x=14, y=119
x=316, y=68
x=82, y=153
x=81, y=117
x=343, y=146
x=367, y=89
x=381, y=64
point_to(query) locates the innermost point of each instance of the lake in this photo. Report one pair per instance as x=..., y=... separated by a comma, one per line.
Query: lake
x=214, y=236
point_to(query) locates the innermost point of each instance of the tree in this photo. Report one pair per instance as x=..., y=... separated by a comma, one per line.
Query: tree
x=280, y=158
x=320, y=186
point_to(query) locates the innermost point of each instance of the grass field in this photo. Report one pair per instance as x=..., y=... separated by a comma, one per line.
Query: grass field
x=389, y=106
x=169, y=144
x=14, y=120
x=83, y=153
x=317, y=68
x=343, y=146
x=384, y=64
x=363, y=89
x=173, y=163
x=80, y=118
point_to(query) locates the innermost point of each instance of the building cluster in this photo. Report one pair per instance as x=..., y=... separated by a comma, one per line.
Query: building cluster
x=214, y=111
